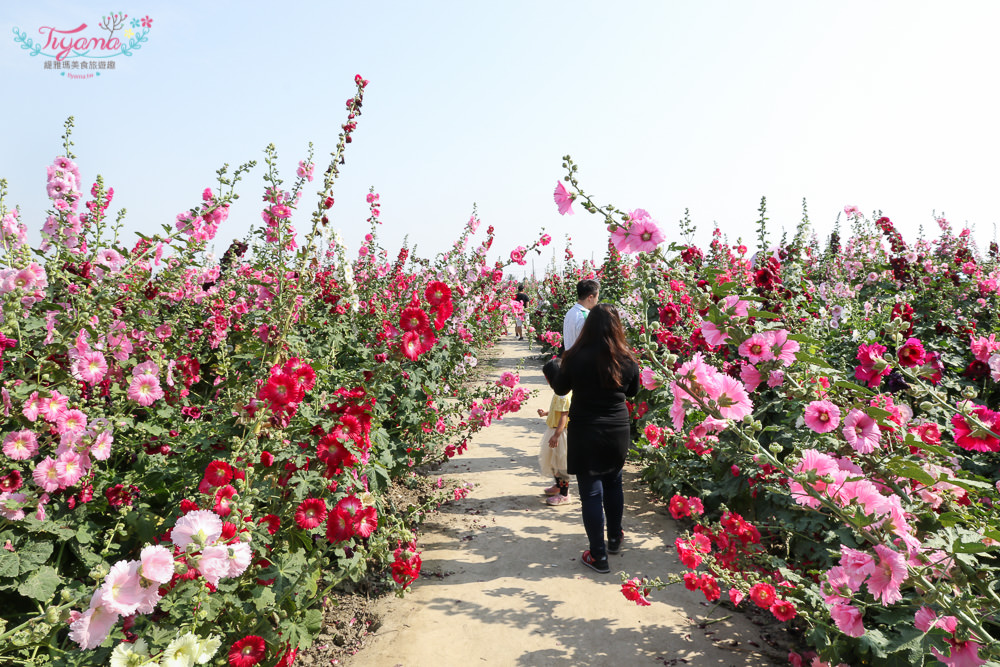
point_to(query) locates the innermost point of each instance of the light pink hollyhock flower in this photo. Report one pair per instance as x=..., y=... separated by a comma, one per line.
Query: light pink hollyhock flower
x=739, y=307
x=852, y=211
x=751, y=377
x=101, y=448
x=157, y=564
x=848, y=619
x=69, y=469
x=146, y=368
x=145, y=390
x=962, y=654
x=200, y=526
x=239, y=558
x=564, y=200
x=645, y=235
x=860, y=492
x=45, y=475
x=92, y=627
x=783, y=349
x=925, y=620
x=889, y=575
x=647, y=377
x=110, y=258
x=163, y=332
x=731, y=396
x=620, y=239
x=713, y=335
x=857, y=567
x=823, y=465
x=91, y=367
x=822, y=416
x=122, y=590
x=71, y=421
x=983, y=347
x=213, y=563
x=20, y=445
x=861, y=432
x=12, y=505
x=757, y=348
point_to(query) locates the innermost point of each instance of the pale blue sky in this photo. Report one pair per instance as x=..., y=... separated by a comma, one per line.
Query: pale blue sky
x=704, y=105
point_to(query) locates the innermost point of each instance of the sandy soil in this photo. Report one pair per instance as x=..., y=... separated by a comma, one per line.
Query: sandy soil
x=502, y=582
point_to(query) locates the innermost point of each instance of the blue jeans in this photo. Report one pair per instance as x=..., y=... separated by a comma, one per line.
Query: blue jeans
x=601, y=496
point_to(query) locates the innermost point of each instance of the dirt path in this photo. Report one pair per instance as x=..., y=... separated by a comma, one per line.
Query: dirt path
x=502, y=582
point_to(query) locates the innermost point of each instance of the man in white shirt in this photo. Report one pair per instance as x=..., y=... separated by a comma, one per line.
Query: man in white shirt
x=587, y=294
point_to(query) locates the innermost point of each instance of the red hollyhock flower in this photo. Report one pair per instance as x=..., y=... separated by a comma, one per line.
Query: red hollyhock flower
x=271, y=522
x=305, y=376
x=763, y=595
x=222, y=497
x=427, y=340
x=411, y=346
x=679, y=507
x=12, y=482
x=218, y=473
x=281, y=390
x=912, y=354
x=413, y=319
x=634, y=593
x=365, y=522
x=247, y=652
x=351, y=505
x=339, y=526
x=442, y=313
x=975, y=438
x=437, y=293
x=407, y=564
x=188, y=505
x=783, y=610
x=288, y=657
x=310, y=513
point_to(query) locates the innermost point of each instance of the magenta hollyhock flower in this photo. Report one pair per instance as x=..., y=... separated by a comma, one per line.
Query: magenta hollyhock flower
x=912, y=354
x=873, y=367
x=563, y=199
x=93, y=626
x=889, y=574
x=861, y=432
x=20, y=445
x=517, y=255
x=145, y=389
x=822, y=416
x=200, y=527
x=508, y=379
x=310, y=513
x=157, y=564
x=544, y=240
x=757, y=348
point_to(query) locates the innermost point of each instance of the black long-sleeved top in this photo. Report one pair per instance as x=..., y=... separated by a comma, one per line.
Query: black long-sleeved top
x=598, y=433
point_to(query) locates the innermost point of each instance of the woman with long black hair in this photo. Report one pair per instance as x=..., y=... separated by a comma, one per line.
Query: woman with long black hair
x=601, y=371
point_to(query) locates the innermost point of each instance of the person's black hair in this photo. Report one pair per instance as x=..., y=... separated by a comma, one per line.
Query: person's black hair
x=603, y=328
x=586, y=288
x=550, y=370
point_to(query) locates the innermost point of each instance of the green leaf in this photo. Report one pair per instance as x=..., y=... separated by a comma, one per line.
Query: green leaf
x=263, y=598
x=809, y=359
x=34, y=554
x=970, y=547
x=850, y=386
x=911, y=470
x=763, y=314
x=10, y=564
x=41, y=585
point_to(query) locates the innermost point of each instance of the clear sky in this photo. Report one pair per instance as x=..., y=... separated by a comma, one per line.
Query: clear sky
x=700, y=104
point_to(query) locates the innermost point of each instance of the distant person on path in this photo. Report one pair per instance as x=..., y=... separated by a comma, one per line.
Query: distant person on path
x=519, y=321
x=587, y=293
x=552, y=453
x=600, y=371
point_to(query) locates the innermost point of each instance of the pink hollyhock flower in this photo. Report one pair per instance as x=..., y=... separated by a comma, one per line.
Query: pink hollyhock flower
x=751, y=377
x=310, y=513
x=647, y=377
x=822, y=416
x=69, y=469
x=71, y=421
x=12, y=505
x=620, y=238
x=852, y=211
x=508, y=379
x=101, y=448
x=961, y=654
x=93, y=626
x=634, y=591
x=783, y=349
x=822, y=465
x=713, y=335
x=45, y=475
x=644, y=233
x=731, y=396
x=739, y=307
x=157, y=564
x=736, y=596
x=912, y=354
x=848, y=619
x=122, y=588
x=20, y=445
x=90, y=367
x=564, y=200
x=200, y=527
x=110, y=258
x=517, y=255
x=32, y=407
x=861, y=432
x=52, y=406
x=145, y=389
x=982, y=347
x=775, y=378
x=757, y=348
x=544, y=240
x=857, y=566
x=890, y=573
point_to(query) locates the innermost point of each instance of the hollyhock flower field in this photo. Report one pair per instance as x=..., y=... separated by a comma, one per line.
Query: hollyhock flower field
x=196, y=450
x=823, y=414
